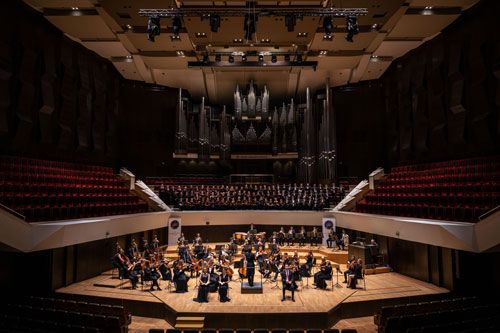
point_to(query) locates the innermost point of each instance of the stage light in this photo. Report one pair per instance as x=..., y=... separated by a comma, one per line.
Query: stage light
x=352, y=28
x=217, y=58
x=231, y=59
x=176, y=24
x=290, y=21
x=261, y=57
x=302, y=35
x=244, y=58
x=214, y=23
x=287, y=57
x=327, y=38
x=249, y=26
x=274, y=59
x=328, y=24
x=153, y=28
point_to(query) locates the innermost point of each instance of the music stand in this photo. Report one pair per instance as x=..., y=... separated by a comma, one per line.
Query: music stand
x=276, y=285
x=337, y=268
x=320, y=240
x=309, y=236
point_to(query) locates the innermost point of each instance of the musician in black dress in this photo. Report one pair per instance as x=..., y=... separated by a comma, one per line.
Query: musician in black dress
x=151, y=275
x=357, y=273
x=288, y=281
x=180, y=278
x=119, y=262
x=224, y=285
x=250, y=267
x=203, y=287
x=324, y=274
x=306, y=268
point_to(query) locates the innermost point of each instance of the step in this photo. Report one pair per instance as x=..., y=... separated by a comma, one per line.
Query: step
x=190, y=319
x=197, y=325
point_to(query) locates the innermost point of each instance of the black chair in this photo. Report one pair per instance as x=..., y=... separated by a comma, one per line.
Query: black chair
x=261, y=330
x=243, y=330
x=226, y=330
x=190, y=331
x=156, y=330
x=208, y=330
x=349, y=330
x=91, y=330
x=332, y=330
x=278, y=330
x=317, y=330
x=173, y=330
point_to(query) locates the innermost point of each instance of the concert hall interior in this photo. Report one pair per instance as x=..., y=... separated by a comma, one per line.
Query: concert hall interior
x=250, y=166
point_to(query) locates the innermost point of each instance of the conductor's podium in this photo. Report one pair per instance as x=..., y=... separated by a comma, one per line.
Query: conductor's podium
x=255, y=289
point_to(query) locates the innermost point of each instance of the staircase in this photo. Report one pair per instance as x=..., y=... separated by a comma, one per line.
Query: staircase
x=189, y=322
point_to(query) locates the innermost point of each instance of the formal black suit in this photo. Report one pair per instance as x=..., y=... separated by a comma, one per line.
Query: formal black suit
x=288, y=282
x=250, y=256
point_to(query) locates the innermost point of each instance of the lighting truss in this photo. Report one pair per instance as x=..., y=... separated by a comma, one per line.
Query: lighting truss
x=298, y=12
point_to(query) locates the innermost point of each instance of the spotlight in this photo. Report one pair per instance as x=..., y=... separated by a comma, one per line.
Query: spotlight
x=261, y=57
x=274, y=59
x=299, y=58
x=328, y=24
x=153, y=28
x=287, y=57
x=290, y=22
x=244, y=58
x=214, y=23
x=352, y=28
x=231, y=59
x=176, y=24
x=205, y=58
x=217, y=57
x=249, y=26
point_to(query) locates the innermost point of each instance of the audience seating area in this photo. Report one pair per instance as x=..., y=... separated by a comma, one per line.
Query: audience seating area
x=46, y=190
x=452, y=315
x=248, y=197
x=42, y=314
x=156, y=182
x=257, y=330
x=459, y=190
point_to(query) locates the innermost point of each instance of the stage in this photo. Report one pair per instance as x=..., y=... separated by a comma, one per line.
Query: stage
x=312, y=307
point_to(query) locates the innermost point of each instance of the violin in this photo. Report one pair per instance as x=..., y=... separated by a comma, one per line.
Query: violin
x=243, y=270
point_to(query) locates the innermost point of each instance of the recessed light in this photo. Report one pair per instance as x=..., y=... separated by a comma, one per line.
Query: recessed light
x=201, y=35
x=238, y=40
x=323, y=52
x=129, y=57
x=265, y=40
x=175, y=38
x=327, y=38
x=302, y=34
x=180, y=53
x=428, y=7
x=129, y=26
x=375, y=26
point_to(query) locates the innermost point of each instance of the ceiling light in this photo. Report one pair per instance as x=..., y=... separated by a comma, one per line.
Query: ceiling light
x=328, y=24
x=129, y=26
x=153, y=28
x=327, y=38
x=175, y=38
x=274, y=58
x=265, y=40
x=129, y=57
x=290, y=21
x=176, y=24
x=249, y=25
x=352, y=28
x=201, y=35
x=261, y=57
x=180, y=53
x=323, y=53
x=302, y=34
x=375, y=26
x=214, y=23
x=231, y=59
x=217, y=58
x=237, y=40
x=428, y=7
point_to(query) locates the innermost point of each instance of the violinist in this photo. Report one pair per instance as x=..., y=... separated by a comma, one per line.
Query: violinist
x=260, y=259
x=224, y=285
x=314, y=237
x=276, y=262
x=181, y=240
x=119, y=262
x=180, y=278
x=150, y=274
x=302, y=236
x=130, y=273
x=203, y=286
x=165, y=272
x=350, y=268
x=307, y=267
x=133, y=251
x=324, y=274
x=357, y=273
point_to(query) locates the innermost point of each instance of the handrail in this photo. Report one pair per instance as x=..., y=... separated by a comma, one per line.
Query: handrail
x=13, y=212
x=488, y=213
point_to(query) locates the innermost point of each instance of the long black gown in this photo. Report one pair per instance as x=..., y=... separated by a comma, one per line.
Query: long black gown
x=203, y=289
x=323, y=275
x=180, y=280
x=224, y=279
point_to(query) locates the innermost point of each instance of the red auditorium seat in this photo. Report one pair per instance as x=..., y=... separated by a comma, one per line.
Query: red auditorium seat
x=455, y=190
x=48, y=190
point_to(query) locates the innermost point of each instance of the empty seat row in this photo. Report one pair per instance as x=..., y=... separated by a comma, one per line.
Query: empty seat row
x=257, y=330
x=445, y=164
x=23, y=161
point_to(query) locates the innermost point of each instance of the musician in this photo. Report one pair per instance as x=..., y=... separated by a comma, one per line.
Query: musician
x=324, y=274
x=288, y=281
x=133, y=251
x=251, y=228
x=131, y=275
x=214, y=277
x=274, y=245
x=291, y=236
x=350, y=268
x=302, y=237
x=181, y=240
x=224, y=285
x=330, y=241
x=165, y=272
x=343, y=238
x=314, y=237
x=198, y=240
x=156, y=244
x=357, y=273
x=274, y=238
x=250, y=257
x=180, y=278
x=281, y=237
x=151, y=274
x=203, y=287
x=277, y=259
x=260, y=259
x=146, y=248
x=119, y=262
x=306, y=268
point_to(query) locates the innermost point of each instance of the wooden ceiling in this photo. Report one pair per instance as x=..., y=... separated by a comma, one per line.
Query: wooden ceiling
x=114, y=29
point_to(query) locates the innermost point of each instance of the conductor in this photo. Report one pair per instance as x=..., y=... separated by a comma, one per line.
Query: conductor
x=250, y=256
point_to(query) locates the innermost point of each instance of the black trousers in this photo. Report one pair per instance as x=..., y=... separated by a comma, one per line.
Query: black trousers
x=250, y=275
x=329, y=242
x=290, y=287
x=302, y=241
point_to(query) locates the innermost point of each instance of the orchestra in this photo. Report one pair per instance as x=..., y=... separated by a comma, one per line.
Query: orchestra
x=213, y=268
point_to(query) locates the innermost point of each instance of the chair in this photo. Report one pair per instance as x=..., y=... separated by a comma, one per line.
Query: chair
x=317, y=330
x=156, y=330
x=261, y=330
x=173, y=330
x=209, y=330
x=349, y=330
x=295, y=330
x=242, y=330
x=331, y=330
x=226, y=330
x=278, y=330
